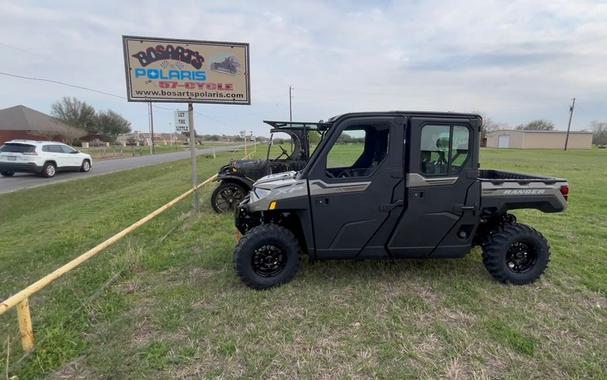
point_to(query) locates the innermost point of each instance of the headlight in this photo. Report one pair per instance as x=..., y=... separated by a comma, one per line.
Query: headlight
x=262, y=193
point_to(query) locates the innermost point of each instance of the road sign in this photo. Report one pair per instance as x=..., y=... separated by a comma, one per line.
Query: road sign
x=182, y=122
x=184, y=71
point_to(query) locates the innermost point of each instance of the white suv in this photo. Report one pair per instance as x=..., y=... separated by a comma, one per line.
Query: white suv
x=41, y=157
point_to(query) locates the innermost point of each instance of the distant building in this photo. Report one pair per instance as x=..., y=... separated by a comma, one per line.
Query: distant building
x=20, y=122
x=521, y=139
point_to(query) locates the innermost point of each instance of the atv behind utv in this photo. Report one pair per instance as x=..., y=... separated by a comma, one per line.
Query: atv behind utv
x=395, y=185
x=237, y=178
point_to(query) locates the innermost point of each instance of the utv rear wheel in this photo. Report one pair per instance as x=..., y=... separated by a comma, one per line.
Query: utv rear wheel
x=227, y=196
x=516, y=254
x=267, y=256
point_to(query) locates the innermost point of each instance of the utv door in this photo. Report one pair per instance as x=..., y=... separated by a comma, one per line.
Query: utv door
x=355, y=184
x=442, y=192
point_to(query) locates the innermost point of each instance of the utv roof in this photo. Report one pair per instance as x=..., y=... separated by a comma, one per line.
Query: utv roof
x=407, y=113
x=282, y=125
x=322, y=125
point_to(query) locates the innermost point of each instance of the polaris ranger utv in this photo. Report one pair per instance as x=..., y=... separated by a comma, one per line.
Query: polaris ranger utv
x=394, y=185
x=237, y=178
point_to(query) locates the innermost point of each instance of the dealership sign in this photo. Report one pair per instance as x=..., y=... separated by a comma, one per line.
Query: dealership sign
x=183, y=71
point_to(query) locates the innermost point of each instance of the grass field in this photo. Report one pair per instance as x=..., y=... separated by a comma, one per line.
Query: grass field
x=165, y=303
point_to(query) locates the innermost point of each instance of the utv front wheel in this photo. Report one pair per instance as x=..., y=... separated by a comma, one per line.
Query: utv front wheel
x=267, y=256
x=226, y=197
x=516, y=253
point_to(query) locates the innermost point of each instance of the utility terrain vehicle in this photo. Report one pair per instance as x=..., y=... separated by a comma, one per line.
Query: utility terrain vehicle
x=237, y=178
x=394, y=185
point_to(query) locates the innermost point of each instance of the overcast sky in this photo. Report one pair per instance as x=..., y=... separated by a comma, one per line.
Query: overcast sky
x=513, y=60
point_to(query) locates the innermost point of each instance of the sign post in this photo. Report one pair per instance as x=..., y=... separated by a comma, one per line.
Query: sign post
x=186, y=71
x=196, y=201
x=151, y=128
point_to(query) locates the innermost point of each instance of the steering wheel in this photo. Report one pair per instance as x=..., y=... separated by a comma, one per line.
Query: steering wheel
x=284, y=153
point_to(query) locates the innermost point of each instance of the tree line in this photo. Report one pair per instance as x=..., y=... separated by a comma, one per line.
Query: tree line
x=79, y=114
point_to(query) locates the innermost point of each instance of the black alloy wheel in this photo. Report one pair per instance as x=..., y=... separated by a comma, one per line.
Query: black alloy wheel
x=268, y=260
x=520, y=257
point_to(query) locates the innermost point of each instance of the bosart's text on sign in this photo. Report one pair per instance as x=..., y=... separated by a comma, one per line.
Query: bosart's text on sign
x=167, y=70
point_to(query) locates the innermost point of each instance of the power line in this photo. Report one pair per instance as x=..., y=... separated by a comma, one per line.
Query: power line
x=61, y=83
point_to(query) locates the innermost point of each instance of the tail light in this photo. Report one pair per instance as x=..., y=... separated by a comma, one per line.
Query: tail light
x=565, y=191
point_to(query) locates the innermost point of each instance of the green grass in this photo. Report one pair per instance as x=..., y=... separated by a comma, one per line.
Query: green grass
x=175, y=308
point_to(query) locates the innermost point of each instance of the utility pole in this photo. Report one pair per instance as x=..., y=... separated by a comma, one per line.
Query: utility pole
x=290, y=103
x=151, y=127
x=196, y=201
x=571, y=107
x=244, y=135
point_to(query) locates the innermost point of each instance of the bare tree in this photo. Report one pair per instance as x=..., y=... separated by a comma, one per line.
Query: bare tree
x=537, y=125
x=488, y=125
x=75, y=113
x=599, y=132
x=81, y=115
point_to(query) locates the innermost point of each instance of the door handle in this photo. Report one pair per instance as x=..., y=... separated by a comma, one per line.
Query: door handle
x=390, y=206
x=461, y=209
x=322, y=201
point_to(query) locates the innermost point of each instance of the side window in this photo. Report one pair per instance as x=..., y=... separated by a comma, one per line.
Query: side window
x=347, y=150
x=358, y=151
x=66, y=149
x=46, y=148
x=444, y=149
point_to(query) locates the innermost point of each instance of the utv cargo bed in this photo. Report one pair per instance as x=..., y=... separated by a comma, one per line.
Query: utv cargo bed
x=498, y=176
x=503, y=191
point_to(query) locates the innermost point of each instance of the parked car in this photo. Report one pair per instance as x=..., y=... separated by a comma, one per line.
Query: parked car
x=41, y=157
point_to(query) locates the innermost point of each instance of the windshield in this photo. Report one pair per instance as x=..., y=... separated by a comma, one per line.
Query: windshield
x=280, y=146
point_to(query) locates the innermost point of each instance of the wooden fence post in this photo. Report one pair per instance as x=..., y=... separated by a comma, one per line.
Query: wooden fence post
x=25, y=325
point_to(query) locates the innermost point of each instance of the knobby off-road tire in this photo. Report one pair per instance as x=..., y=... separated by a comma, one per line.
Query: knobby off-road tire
x=267, y=256
x=516, y=254
x=227, y=196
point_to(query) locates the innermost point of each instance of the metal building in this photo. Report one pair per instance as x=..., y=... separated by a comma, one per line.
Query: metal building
x=510, y=138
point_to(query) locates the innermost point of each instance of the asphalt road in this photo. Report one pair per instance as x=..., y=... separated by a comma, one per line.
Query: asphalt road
x=26, y=181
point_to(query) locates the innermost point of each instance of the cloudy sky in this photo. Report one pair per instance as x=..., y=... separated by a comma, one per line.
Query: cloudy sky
x=513, y=60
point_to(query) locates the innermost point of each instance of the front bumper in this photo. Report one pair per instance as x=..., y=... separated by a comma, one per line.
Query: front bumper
x=29, y=167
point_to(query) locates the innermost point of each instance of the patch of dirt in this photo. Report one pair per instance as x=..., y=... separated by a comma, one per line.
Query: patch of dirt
x=72, y=370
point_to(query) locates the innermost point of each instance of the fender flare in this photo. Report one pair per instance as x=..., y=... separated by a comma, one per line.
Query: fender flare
x=246, y=182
